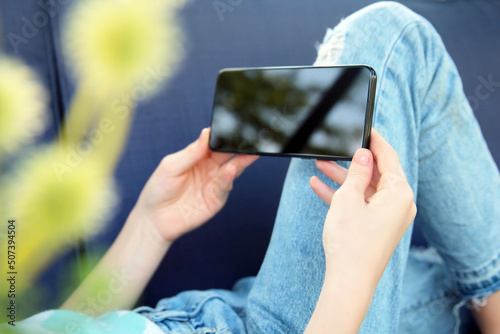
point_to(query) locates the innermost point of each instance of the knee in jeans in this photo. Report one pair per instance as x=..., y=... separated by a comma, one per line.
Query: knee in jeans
x=385, y=23
x=393, y=10
x=389, y=16
x=369, y=25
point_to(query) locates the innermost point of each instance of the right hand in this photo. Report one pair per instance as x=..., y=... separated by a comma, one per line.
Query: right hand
x=369, y=213
x=188, y=188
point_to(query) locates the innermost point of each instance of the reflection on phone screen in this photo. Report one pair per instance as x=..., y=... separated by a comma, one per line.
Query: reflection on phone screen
x=318, y=111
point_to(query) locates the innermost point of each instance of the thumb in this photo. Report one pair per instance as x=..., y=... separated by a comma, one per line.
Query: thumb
x=179, y=162
x=360, y=172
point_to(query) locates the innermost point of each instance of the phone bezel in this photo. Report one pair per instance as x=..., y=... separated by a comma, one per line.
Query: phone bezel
x=367, y=123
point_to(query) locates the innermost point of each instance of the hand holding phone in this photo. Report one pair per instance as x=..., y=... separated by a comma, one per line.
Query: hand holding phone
x=308, y=112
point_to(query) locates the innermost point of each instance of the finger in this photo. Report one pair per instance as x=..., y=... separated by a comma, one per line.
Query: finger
x=376, y=173
x=181, y=161
x=385, y=155
x=221, y=158
x=241, y=162
x=332, y=170
x=324, y=192
x=360, y=172
x=230, y=171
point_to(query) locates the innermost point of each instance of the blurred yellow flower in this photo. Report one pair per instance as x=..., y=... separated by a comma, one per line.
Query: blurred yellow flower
x=115, y=45
x=54, y=211
x=22, y=105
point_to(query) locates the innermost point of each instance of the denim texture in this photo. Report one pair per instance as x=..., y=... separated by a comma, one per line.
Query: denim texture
x=421, y=110
x=202, y=312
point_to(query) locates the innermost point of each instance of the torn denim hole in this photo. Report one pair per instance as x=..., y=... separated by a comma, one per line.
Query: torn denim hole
x=477, y=302
x=456, y=314
x=330, y=50
x=474, y=303
x=426, y=254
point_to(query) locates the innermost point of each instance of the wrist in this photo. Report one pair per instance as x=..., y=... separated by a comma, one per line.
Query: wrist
x=351, y=281
x=360, y=265
x=357, y=278
x=134, y=256
x=139, y=223
x=165, y=222
x=343, y=302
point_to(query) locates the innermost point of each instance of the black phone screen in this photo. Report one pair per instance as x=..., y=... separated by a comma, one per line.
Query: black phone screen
x=322, y=112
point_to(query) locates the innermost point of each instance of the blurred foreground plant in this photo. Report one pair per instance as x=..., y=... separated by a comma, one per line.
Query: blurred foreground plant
x=22, y=105
x=64, y=190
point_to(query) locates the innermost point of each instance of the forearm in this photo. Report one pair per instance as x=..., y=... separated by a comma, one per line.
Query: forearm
x=487, y=316
x=343, y=303
x=123, y=272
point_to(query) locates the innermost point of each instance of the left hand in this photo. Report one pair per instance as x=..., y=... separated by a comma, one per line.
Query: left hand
x=189, y=187
x=371, y=210
x=368, y=216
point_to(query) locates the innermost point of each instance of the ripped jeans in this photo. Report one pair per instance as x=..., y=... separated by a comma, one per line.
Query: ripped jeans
x=421, y=110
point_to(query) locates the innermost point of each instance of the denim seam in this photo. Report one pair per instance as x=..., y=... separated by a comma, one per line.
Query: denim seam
x=471, y=293
x=448, y=291
x=420, y=22
x=391, y=52
x=191, y=314
x=472, y=274
x=254, y=325
x=442, y=299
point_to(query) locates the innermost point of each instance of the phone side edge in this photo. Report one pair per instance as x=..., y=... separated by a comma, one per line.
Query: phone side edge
x=370, y=104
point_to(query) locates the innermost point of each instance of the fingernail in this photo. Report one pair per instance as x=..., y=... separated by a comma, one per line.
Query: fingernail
x=361, y=157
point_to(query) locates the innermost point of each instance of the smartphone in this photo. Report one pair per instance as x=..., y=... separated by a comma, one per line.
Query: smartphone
x=308, y=112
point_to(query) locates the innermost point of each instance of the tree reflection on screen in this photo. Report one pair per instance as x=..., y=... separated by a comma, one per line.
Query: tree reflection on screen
x=309, y=110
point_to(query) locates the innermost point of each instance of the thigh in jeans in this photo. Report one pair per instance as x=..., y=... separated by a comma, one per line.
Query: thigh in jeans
x=421, y=110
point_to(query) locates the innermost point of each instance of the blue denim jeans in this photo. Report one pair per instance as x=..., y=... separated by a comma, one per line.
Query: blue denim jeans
x=421, y=110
